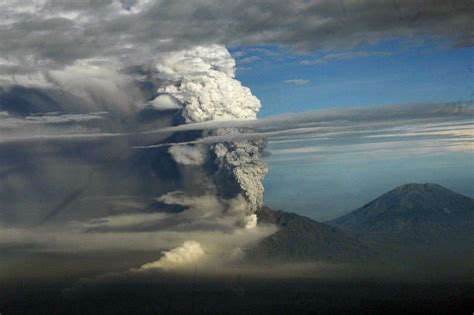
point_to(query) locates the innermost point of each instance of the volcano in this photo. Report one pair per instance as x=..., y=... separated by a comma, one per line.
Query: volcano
x=416, y=212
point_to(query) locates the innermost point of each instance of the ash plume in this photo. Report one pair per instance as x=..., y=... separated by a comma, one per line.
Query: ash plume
x=242, y=161
x=202, y=80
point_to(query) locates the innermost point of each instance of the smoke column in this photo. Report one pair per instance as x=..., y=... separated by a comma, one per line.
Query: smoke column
x=201, y=82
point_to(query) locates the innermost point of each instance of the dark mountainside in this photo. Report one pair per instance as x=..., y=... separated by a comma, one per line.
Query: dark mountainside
x=417, y=212
x=300, y=239
x=397, y=222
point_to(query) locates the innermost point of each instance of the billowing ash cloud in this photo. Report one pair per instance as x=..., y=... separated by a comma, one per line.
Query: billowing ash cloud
x=203, y=80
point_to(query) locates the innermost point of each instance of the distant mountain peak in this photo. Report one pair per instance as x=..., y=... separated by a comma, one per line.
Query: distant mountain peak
x=418, y=197
x=425, y=208
x=420, y=187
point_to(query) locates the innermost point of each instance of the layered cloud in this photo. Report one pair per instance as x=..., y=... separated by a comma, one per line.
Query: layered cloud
x=334, y=121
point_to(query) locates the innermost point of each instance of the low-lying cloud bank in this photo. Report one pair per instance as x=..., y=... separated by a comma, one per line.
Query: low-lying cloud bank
x=185, y=255
x=54, y=239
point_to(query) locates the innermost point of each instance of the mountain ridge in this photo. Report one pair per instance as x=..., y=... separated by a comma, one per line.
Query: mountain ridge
x=302, y=239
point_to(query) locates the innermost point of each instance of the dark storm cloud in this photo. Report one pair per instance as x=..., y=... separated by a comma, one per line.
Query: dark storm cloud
x=52, y=33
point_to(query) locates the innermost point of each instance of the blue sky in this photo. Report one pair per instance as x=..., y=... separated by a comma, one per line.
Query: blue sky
x=390, y=72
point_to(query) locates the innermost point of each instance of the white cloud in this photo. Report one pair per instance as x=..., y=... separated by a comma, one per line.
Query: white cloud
x=346, y=56
x=249, y=59
x=297, y=81
x=202, y=80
